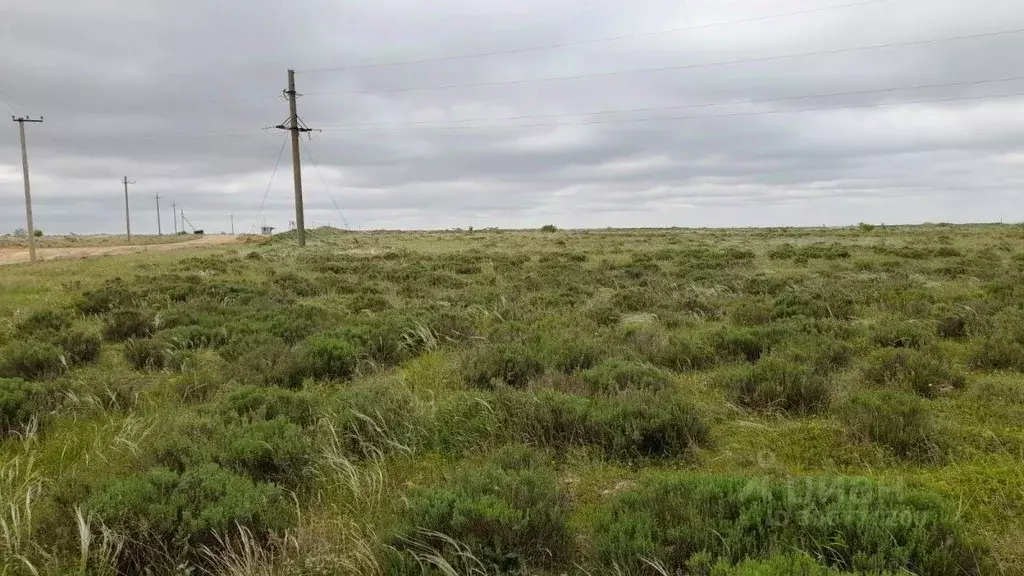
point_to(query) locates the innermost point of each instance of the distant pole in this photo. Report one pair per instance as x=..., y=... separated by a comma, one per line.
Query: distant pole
x=159, y=230
x=232, y=223
x=28, y=189
x=295, y=128
x=174, y=214
x=127, y=213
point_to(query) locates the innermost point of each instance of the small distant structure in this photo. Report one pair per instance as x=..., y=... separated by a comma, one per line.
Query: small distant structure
x=267, y=230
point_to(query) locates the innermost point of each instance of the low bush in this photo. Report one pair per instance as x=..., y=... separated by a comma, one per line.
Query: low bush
x=274, y=450
x=273, y=363
x=330, y=356
x=851, y=524
x=996, y=353
x=124, y=324
x=905, y=334
x=113, y=295
x=496, y=364
x=199, y=377
x=147, y=354
x=615, y=375
x=31, y=360
x=252, y=403
x=822, y=354
x=510, y=514
x=631, y=425
x=20, y=402
x=676, y=351
x=925, y=372
x=776, y=565
x=168, y=517
x=899, y=421
x=373, y=420
x=776, y=384
x=80, y=347
x=193, y=337
x=43, y=321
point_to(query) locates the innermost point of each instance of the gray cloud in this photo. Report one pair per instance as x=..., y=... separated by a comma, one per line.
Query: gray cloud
x=174, y=94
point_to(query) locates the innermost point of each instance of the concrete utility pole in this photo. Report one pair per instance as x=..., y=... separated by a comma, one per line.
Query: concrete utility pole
x=127, y=213
x=159, y=231
x=232, y=223
x=295, y=128
x=28, y=189
x=174, y=214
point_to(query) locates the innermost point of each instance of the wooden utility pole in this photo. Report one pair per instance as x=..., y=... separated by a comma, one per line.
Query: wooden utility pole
x=28, y=189
x=174, y=214
x=295, y=128
x=159, y=230
x=127, y=213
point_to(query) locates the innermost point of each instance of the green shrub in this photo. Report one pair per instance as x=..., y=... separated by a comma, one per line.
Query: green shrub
x=631, y=425
x=899, y=421
x=31, y=360
x=743, y=344
x=292, y=282
x=20, y=402
x=42, y=321
x=615, y=375
x=778, y=565
x=147, y=354
x=676, y=351
x=330, y=356
x=511, y=515
x=270, y=403
x=777, y=384
x=996, y=353
x=167, y=517
x=822, y=354
x=851, y=524
x=925, y=372
x=113, y=295
x=373, y=420
x=510, y=364
x=199, y=377
x=549, y=228
x=80, y=347
x=124, y=324
x=193, y=337
x=266, y=450
x=271, y=364
x=893, y=334
x=751, y=312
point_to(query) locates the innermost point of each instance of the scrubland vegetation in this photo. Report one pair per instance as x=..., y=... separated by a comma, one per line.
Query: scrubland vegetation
x=731, y=402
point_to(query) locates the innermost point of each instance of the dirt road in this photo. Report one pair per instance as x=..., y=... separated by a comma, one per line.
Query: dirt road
x=17, y=255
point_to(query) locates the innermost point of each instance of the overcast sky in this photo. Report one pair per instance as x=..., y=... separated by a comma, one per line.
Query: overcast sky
x=174, y=95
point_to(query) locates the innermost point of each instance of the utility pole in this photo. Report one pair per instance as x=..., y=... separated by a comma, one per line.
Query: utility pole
x=174, y=214
x=28, y=189
x=127, y=214
x=159, y=231
x=232, y=223
x=295, y=128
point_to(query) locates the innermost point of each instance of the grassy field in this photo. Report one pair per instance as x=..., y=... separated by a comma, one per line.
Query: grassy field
x=714, y=402
x=93, y=241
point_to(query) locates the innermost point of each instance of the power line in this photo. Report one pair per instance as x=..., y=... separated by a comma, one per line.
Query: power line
x=266, y=193
x=682, y=118
x=326, y=187
x=679, y=66
x=683, y=106
x=591, y=41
